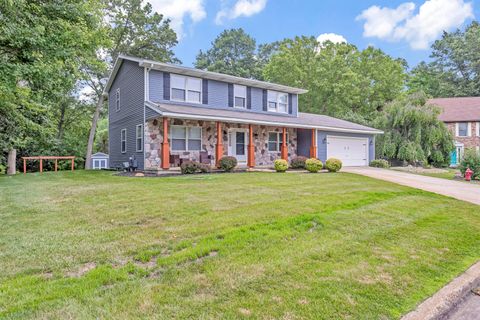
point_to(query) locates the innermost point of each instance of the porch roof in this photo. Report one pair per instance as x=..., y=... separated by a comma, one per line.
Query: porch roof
x=304, y=120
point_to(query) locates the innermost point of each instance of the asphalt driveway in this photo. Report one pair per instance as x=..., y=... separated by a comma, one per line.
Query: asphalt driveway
x=455, y=189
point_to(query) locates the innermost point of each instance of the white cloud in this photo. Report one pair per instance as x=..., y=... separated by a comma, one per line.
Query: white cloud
x=242, y=8
x=333, y=37
x=420, y=29
x=178, y=10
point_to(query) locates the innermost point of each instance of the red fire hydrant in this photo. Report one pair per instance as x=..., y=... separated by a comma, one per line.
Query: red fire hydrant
x=468, y=174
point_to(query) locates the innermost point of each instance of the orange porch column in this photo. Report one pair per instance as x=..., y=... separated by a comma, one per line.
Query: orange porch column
x=313, y=145
x=165, y=146
x=284, y=144
x=219, y=145
x=251, y=148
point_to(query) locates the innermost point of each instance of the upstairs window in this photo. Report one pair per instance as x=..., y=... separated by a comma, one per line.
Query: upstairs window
x=277, y=101
x=117, y=100
x=186, y=89
x=139, y=137
x=123, y=140
x=463, y=129
x=275, y=141
x=240, y=96
x=186, y=138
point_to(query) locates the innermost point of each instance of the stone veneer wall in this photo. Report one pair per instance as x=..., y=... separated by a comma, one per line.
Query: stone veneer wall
x=471, y=142
x=154, y=138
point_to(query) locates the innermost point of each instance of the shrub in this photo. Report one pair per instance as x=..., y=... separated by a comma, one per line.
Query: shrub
x=379, y=163
x=189, y=167
x=204, y=168
x=228, y=163
x=471, y=160
x=298, y=162
x=333, y=165
x=313, y=165
x=281, y=165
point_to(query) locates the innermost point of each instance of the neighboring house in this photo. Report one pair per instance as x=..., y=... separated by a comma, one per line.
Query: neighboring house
x=163, y=113
x=462, y=117
x=99, y=161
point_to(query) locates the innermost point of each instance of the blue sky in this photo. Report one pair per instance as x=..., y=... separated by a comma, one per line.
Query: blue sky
x=401, y=28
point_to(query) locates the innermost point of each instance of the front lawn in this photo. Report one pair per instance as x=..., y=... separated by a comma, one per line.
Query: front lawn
x=244, y=245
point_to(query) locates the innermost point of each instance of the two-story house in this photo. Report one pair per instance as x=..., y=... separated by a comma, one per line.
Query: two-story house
x=462, y=117
x=163, y=113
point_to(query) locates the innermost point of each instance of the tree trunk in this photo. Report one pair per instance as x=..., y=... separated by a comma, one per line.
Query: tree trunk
x=61, y=121
x=93, y=129
x=12, y=162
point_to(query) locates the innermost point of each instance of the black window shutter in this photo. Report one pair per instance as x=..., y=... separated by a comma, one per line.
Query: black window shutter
x=290, y=103
x=265, y=100
x=249, y=98
x=204, y=91
x=230, y=95
x=166, y=86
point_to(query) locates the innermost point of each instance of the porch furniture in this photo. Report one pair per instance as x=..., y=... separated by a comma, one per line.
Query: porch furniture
x=205, y=158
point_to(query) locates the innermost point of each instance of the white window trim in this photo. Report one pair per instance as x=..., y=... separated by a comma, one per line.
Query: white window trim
x=170, y=137
x=277, y=93
x=100, y=161
x=139, y=137
x=235, y=96
x=186, y=89
x=478, y=129
x=279, y=141
x=117, y=100
x=122, y=140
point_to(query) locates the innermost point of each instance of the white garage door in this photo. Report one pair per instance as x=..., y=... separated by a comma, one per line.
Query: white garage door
x=351, y=150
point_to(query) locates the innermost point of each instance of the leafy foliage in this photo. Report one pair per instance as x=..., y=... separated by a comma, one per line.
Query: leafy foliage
x=413, y=132
x=379, y=163
x=342, y=81
x=471, y=159
x=232, y=52
x=298, y=162
x=228, y=163
x=313, y=165
x=333, y=165
x=455, y=69
x=280, y=165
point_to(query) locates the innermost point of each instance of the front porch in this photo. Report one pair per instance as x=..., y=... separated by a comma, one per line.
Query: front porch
x=169, y=139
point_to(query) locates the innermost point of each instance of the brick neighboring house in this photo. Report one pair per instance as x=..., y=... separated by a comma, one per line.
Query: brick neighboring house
x=462, y=116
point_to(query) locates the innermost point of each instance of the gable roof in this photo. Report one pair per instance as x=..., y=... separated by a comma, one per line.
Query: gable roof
x=99, y=155
x=458, y=109
x=304, y=120
x=172, y=68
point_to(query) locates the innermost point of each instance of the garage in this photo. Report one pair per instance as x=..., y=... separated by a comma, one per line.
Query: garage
x=353, y=151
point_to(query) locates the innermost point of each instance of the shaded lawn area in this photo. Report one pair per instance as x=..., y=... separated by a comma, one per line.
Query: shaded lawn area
x=246, y=245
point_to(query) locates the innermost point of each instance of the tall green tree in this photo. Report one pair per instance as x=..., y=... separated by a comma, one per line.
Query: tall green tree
x=42, y=45
x=413, y=132
x=133, y=29
x=232, y=52
x=455, y=69
x=342, y=81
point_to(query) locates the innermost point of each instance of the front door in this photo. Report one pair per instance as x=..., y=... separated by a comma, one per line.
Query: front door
x=237, y=144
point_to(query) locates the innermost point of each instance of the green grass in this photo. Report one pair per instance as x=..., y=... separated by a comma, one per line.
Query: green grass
x=246, y=245
x=449, y=174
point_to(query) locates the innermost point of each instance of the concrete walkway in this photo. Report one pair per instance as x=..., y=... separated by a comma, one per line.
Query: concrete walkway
x=456, y=189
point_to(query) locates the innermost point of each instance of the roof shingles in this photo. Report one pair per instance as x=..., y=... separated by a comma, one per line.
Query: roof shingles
x=458, y=109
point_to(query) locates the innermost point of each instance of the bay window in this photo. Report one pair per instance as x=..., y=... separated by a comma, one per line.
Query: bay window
x=186, y=88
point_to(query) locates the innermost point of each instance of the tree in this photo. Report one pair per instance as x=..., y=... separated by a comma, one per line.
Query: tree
x=413, y=132
x=455, y=69
x=232, y=52
x=43, y=45
x=134, y=29
x=342, y=80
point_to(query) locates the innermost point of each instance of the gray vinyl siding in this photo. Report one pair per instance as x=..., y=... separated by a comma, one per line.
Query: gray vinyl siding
x=217, y=96
x=322, y=143
x=130, y=80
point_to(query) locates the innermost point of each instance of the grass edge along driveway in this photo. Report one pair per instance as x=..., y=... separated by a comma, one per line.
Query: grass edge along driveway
x=249, y=245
